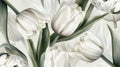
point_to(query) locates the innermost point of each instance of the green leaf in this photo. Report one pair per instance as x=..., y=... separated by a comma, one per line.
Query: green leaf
x=39, y=45
x=84, y=28
x=32, y=52
x=87, y=15
x=53, y=38
x=44, y=43
x=115, y=48
x=3, y=19
x=42, y=60
x=13, y=50
x=82, y=3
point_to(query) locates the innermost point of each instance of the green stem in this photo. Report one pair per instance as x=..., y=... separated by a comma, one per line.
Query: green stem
x=31, y=53
x=108, y=61
x=39, y=45
x=11, y=6
x=82, y=3
x=55, y=40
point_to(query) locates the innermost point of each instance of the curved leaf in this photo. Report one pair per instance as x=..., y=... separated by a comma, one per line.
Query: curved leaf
x=115, y=48
x=3, y=19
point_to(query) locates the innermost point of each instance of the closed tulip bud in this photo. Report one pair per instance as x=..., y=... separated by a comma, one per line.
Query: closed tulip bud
x=90, y=47
x=30, y=21
x=105, y=5
x=67, y=18
x=10, y=60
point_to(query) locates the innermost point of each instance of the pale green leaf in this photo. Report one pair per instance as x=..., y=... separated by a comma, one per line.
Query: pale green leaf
x=42, y=60
x=115, y=48
x=45, y=42
x=3, y=19
x=31, y=52
x=39, y=45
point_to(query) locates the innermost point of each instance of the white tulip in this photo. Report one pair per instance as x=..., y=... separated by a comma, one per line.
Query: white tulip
x=30, y=21
x=105, y=5
x=10, y=60
x=67, y=18
x=66, y=54
x=90, y=46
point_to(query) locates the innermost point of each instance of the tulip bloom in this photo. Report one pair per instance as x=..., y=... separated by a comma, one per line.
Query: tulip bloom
x=105, y=5
x=88, y=48
x=30, y=21
x=10, y=60
x=67, y=18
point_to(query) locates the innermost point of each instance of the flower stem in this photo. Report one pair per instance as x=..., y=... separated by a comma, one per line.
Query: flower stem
x=11, y=6
x=31, y=53
x=55, y=40
x=108, y=61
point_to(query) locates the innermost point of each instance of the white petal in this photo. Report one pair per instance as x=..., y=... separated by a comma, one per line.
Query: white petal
x=61, y=19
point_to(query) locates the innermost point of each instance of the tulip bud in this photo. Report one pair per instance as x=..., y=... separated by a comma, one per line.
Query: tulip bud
x=67, y=18
x=30, y=21
x=90, y=47
x=10, y=60
x=105, y=5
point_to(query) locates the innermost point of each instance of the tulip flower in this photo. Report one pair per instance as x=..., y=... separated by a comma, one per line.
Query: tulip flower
x=30, y=21
x=10, y=60
x=105, y=5
x=88, y=48
x=67, y=18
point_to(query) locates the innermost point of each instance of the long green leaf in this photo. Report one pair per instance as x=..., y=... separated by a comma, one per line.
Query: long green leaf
x=13, y=50
x=42, y=60
x=39, y=45
x=31, y=52
x=3, y=19
x=45, y=41
x=115, y=48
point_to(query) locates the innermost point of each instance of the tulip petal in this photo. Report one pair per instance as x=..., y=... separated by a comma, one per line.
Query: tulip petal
x=63, y=14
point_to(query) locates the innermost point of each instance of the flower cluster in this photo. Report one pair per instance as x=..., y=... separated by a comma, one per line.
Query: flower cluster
x=68, y=20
